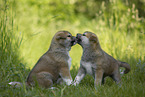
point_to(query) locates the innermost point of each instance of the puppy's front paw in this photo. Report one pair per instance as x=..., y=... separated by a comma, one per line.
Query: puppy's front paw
x=68, y=81
x=75, y=83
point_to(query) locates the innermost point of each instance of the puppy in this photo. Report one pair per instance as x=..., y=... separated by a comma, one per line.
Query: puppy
x=97, y=62
x=54, y=65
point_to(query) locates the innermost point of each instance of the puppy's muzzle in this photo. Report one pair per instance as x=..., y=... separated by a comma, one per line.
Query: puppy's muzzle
x=78, y=37
x=73, y=41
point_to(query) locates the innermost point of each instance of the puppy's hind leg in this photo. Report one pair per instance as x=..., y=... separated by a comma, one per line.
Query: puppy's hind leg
x=44, y=79
x=117, y=78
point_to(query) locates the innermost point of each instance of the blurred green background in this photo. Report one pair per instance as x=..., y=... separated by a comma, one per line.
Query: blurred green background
x=119, y=25
x=27, y=27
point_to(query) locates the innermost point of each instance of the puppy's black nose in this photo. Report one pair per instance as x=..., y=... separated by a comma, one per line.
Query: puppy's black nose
x=73, y=38
x=78, y=36
x=73, y=41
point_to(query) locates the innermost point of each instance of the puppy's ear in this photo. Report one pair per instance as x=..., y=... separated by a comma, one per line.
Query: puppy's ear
x=93, y=38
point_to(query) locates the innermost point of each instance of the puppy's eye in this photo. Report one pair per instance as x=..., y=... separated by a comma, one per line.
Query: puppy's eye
x=84, y=34
x=69, y=36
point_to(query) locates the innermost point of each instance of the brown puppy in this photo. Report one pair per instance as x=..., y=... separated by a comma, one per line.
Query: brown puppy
x=54, y=65
x=97, y=62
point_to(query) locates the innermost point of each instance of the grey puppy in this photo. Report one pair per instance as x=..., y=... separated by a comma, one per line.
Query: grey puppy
x=97, y=62
x=54, y=65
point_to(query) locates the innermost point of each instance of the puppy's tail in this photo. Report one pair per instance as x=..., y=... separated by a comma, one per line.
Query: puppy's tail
x=16, y=84
x=126, y=66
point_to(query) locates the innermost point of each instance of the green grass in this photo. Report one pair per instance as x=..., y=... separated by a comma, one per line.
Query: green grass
x=26, y=30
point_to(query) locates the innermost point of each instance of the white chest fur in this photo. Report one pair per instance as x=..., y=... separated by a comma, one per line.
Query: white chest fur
x=88, y=67
x=69, y=61
x=85, y=40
